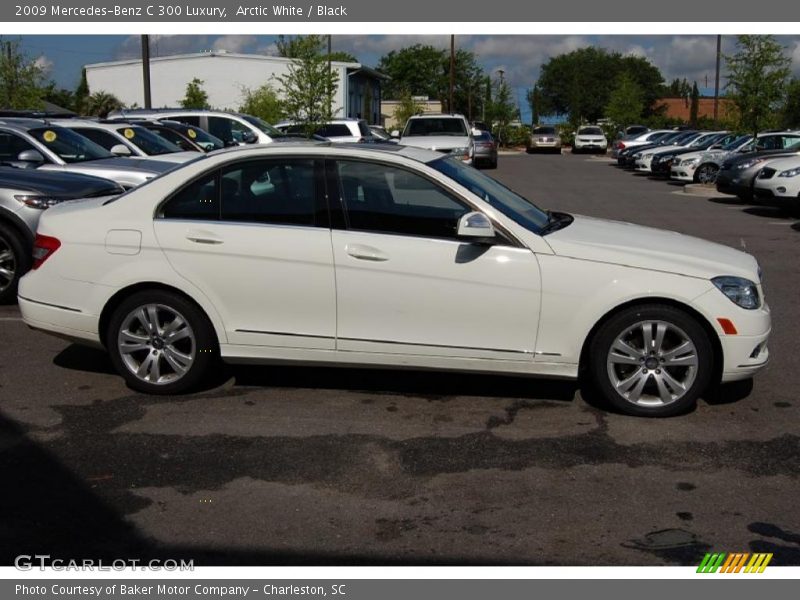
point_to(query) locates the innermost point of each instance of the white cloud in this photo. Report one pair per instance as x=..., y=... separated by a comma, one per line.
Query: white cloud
x=45, y=64
x=163, y=45
x=235, y=43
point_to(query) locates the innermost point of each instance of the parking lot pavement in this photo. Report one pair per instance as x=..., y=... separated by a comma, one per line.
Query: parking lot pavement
x=317, y=466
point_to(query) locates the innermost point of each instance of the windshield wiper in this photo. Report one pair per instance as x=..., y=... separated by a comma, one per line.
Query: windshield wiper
x=556, y=221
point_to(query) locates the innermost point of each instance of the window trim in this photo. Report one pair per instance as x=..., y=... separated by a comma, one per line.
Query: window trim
x=334, y=183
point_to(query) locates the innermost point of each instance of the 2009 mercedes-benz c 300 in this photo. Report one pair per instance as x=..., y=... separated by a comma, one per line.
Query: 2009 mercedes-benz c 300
x=393, y=257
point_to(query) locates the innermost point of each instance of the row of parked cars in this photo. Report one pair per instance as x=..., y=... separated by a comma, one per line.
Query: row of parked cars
x=762, y=168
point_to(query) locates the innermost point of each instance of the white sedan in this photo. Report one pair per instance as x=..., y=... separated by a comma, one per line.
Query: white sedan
x=778, y=183
x=388, y=256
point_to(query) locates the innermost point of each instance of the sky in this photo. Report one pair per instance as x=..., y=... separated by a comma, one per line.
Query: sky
x=520, y=57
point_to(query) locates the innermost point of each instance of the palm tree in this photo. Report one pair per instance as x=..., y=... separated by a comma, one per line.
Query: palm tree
x=101, y=103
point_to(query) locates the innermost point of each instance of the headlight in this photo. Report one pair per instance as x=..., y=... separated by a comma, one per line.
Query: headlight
x=40, y=202
x=463, y=153
x=790, y=173
x=646, y=156
x=749, y=163
x=740, y=291
x=688, y=162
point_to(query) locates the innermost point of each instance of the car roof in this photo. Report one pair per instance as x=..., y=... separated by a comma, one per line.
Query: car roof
x=412, y=152
x=23, y=124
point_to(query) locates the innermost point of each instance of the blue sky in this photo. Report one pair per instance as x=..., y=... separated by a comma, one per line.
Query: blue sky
x=520, y=57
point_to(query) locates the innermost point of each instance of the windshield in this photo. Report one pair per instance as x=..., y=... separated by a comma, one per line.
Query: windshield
x=737, y=142
x=69, y=146
x=199, y=136
x=515, y=207
x=544, y=131
x=428, y=127
x=590, y=131
x=263, y=126
x=147, y=141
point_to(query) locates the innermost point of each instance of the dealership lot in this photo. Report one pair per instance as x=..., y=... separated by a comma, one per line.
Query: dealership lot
x=292, y=465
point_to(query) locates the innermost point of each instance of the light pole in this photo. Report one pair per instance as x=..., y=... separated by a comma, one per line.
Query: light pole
x=716, y=80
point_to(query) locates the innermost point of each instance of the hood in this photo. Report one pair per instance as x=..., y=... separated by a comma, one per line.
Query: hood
x=764, y=156
x=56, y=184
x=436, y=142
x=784, y=164
x=174, y=157
x=641, y=247
x=151, y=165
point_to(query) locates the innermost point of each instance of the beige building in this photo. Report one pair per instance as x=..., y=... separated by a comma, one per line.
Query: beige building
x=389, y=107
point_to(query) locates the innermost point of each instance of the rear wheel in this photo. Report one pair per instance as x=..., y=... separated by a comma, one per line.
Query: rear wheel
x=161, y=343
x=15, y=261
x=652, y=360
x=706, y=173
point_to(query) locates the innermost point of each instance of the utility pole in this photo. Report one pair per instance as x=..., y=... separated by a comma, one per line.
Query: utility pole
x=716, y=80
x=452, y=70
x=146, y=70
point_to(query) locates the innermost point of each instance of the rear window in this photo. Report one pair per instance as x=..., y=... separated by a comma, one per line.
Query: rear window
x=544, y=130
x=335, y=130
x=434, y=126
x=590, y=131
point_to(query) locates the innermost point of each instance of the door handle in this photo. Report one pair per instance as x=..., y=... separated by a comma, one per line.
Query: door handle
x=362, y=252
x=203, y=237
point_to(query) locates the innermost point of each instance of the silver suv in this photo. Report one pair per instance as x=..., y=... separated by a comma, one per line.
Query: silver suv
x=450, y=134
x=38, y=144
x=338, y=131
x=24, y=195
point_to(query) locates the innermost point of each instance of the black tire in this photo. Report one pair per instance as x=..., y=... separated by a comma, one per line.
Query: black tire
x=529, y=150
x=706, y=173
x=15, y=263
x=493, y=164
x=679, y=324
x=204, y=347
x=575, y=150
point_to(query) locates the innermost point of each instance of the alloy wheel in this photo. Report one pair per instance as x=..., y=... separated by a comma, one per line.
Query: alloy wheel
x=8, y=264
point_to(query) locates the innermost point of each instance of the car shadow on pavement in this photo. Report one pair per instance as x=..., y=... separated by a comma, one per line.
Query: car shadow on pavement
x=729, y=200
x=766, y=212
x=83, y=358
x=428, y=384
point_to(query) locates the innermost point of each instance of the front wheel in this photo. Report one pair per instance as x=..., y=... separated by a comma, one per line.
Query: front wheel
x=652, y=360
x=706, y=173
x=161, y=343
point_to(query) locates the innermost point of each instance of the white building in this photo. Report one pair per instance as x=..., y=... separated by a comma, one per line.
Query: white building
x=225, y=75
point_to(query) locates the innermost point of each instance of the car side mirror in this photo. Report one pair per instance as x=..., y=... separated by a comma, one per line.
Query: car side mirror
x=395, y=134
x=476, y=227
x=120, y=150
x=31, y=156
x=249, y=137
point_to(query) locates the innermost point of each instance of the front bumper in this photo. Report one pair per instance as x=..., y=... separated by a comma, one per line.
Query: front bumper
x=728, y=183
x=681, y=173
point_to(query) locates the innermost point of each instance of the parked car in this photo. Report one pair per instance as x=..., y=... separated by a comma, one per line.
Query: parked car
x=643, y=158
x=590, y=138
x=544, y=137
x=338, y=131
x=701, y=166
x=481, y=126
x=37, y=144
x=778, y=184
x=186, y=137
x=127, y=139
x=416, y=260
x=379, y=134
x=449, y=134
x=485, y=150
x=661, y=164
x=24, y=195
x=638, y=139
x=232, y=128
x=738, y=171
x=627, y=157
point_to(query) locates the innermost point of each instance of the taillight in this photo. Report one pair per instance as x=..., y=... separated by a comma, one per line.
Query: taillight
x=43, y=248
x=620, y=145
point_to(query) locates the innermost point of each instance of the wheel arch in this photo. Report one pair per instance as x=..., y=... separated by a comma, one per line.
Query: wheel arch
x=18, y=225
x=701, y=165
x=692, y=312
x=120, y=296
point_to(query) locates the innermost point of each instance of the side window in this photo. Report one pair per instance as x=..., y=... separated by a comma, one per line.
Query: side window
x=11, y=145
x=175, y=138
x=790, y=141
x=770, y=142
x=227, y=130
x=99, y=137
x=197, y=201
x=386, y=199
x=278, y=192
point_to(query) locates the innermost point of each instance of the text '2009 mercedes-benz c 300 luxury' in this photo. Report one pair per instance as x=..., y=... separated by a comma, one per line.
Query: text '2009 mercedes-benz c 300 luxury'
x=393, y=257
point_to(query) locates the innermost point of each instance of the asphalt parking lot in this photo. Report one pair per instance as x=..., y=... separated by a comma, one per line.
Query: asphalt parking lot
x=318, y=466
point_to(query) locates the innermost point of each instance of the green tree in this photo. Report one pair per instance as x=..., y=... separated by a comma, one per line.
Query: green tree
x=262, y=102
x=21, y=85
x=694, y=105
x=101, y=103
x=502, y=112
x=295, y=46
x=366, y=108
x=59, y=96
x=757, y=76
x=626, y=102
x=308, y=87
x=790, y=114
x=678, y=88
x=580, y=83
x=81, y=94
x=407, y=108
x=196, y=96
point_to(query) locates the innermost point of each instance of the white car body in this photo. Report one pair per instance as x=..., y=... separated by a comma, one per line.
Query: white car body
x=684, y=166
x=585, y=140
x=439, y=143
x=337, y=131
x=644, y=162
x=640, y=140
x=317, y=295
x=779, y=181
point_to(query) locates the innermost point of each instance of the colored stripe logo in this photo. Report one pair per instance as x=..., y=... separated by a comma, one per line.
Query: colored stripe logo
x=735, y=562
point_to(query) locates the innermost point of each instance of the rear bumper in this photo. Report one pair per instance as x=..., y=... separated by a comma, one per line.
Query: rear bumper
x=62, y=321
